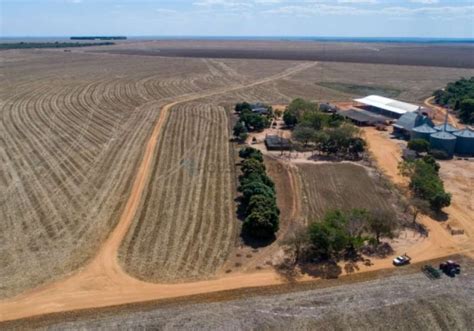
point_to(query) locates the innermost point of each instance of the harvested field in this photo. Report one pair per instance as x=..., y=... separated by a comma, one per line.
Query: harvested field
x=345, y=186
x=186, y=226
x=456, y=56
x=71, y=140
x=92, y=143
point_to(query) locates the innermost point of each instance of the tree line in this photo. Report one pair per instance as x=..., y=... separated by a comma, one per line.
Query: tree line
x=458, y=95
x=328, y=134
x=258, y=200
x=425, y=182
x=26, y=45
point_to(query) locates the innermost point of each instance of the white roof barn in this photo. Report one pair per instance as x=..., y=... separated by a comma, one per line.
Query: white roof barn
x=389, y=105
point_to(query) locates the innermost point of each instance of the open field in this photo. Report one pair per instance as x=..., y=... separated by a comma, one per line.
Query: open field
x=340, y=186
x=107, y=170
x=186, y=225
x=456, y=56
x=71, y=141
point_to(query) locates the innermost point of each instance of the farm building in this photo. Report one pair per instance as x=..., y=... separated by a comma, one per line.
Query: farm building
x=277, y=143
x=387, y=107
x=328, y=108
x=407, y=122
x=446, y=127
x=443, y=141
x=465, y=142
x=422, y=132
x=259, y=108
x=362, y=117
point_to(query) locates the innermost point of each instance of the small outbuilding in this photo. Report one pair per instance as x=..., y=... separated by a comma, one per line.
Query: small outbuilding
x=465, y=142
x=277, y=143
x=362, y=117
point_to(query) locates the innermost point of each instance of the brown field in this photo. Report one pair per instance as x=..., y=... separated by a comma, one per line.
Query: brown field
x=107, y=172
x=340, y=186
x=186, y=226
x=455, y=56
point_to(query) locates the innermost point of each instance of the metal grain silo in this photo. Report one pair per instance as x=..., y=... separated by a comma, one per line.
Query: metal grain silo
x=465, y=142
x=446, y=127
x=422, y=132
x=443, y=141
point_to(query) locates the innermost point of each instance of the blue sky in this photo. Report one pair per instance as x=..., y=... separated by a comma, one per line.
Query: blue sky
x=346, y=18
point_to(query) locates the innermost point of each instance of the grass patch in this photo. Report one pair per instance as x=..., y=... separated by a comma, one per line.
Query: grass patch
x=362, y=90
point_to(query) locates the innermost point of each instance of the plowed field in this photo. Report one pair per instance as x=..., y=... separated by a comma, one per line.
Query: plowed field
x=342, y=186
x=186, y=226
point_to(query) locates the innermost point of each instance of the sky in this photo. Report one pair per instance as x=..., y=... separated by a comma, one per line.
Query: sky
x=330, y=18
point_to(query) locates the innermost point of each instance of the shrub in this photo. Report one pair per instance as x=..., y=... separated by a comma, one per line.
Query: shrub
x=250, y=152
x=419, y=145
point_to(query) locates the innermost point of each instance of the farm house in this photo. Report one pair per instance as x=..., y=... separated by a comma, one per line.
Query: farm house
x=386, y=106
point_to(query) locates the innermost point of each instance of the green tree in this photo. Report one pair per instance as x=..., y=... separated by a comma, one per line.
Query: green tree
x=419, y=145
x=252, y=166
x=330, y=237
x=303, y=134
x=381, y=223
x=251, y=153
x=239, y=128
x=261, y=225
x=466, y=113
x=255, y=188
x=289, y=119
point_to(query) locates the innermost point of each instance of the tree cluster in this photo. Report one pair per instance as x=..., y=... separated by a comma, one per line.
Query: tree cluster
x=460, y=96
x=250, y=121
x=258, y=200
x=425, y=182
x=341, y=233
x=328, y=134
x=345, y=232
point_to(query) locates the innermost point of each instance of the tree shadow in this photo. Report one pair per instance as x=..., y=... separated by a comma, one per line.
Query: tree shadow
x=325, y=270
x=257, y=243
x=351, y=267
x=440, y=216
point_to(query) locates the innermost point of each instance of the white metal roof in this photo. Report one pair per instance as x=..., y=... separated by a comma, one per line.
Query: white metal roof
x=388, y=104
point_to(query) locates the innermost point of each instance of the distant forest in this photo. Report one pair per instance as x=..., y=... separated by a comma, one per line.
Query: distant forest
x=98, y=38
x=458, y=95
x=26, y=45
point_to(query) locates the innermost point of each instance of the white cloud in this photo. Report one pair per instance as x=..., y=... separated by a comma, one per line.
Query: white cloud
x=426, y=2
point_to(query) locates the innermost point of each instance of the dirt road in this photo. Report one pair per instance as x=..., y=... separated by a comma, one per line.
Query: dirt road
x=102, y=282
x=440, y=113
x=459, y=181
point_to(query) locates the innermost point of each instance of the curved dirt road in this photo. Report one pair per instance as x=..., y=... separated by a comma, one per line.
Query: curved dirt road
x=440, y=112
x=103, y=282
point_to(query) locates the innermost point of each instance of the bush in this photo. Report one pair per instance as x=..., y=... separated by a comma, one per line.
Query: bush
x=250, y=152
x=419, y=145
